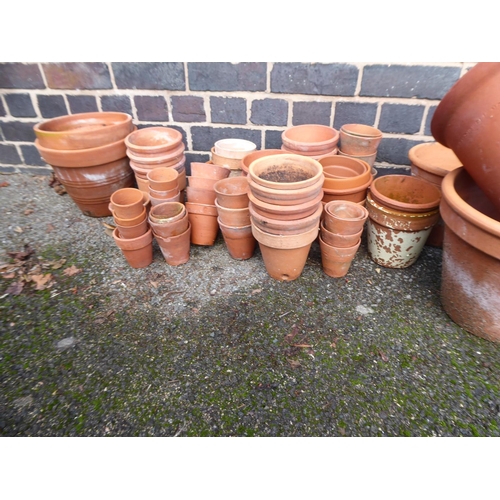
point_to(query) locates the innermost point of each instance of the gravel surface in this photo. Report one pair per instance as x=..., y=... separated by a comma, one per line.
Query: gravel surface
x=216, y=347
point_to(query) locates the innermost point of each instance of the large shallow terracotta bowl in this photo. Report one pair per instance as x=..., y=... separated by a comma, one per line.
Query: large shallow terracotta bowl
x=153, y=141
x=83, y=130
x=309, y=138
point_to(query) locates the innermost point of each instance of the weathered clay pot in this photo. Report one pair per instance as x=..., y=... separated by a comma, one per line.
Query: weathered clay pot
x=232, y=192
x=165, y=213
x=470, y=284
x=339, y=240
x=201, y=182
x=342, y=172
x=176, y=248
x=370, y=159
x=164, y=159
x=344, y=217
x=249, y=158
x=284, y=255
x=163, y=179
x=310, y=138
x=153, y=141
x=209, y=170
x=157, y=201
x=203, y=196
x=356, y=194
x=163, y=195
x=129, y=232
x=359, y=140
x=233, y=217
x=170, y=228
x=336, y=261
x=231, y=163
x=285, y=196
x=83, y=130
x=234, y=148
x=204, y=225
x=316, y=155
x=137, y=251
x=467, y=120
x=240, y=242
x=431, y=161
x=127, y=203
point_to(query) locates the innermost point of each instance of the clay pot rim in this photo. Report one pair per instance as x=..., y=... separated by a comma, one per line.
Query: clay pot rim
x=286, y=209
x=322, y=227
x=168, y=239
x=285, y=193
x=136, y=195
x=221, y=171
x=315, y=155
x=179, y=166
x=192, y=180
x=463, y=209
x=358, y=157
x=292, y=222
x=231, y=181
x=309, y=146
x=167, y=204
x=444, y=159
x=133, y=243
x=163, y=194
x=347, y=191
x=111, y=117
x=234, y=148
x=201, y=208
x=242, y=228
x=399, y=205
x=361, y=130
x=229, y=209
x=247, y=159
x=344, y=161
x=231, y=163
x=157, y=201
x=356, y=206
x=350, y=249
x=162, y=175
x=131, y=228
x=174, y=136
x=314, y=165
x=171, y=155
x=285, y=241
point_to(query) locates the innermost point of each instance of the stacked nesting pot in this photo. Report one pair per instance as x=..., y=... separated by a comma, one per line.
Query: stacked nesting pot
x=163, y=185
x=250, y=157
x=88, y=155
x=229, y=153
x=285, y=193
x=200, y=203
x=154, y=147
x=360, y=142
x=313, y=141
x=234, y=216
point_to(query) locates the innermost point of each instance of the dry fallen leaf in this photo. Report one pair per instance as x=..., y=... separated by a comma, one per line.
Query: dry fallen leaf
x=15, y=288
x=18, y=229
x=9, y=276
x=71, y=271
x=257, y=290
x=154, y=284
x=28, y=211
x=383, y=356
x=294, y=363
x=58, y=264
x=22, y=255
x=42, y=280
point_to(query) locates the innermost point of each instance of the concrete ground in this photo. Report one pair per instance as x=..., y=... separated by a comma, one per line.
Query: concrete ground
x=216, y=347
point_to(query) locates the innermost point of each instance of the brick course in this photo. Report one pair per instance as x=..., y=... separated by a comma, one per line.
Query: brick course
x=269, y=112
x=151, y=108
x=82, y=104
x=20, y=105
x=89, y=76
x=52, y=105
x=229, y=77
x=153, y=76
x=319, y=113
x=231, y=110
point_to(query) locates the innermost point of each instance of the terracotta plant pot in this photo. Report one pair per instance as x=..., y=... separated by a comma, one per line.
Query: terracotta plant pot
x=431, y=161
x=129, y=232
x=316, y=155
x=284, y=256
x=231, y=163
x=234, y=148
x=83, y=130
x=163, y=179
x=167, y=212
x=294, y=226
x=287, y=171
x=344, y=217
x=232, y=192
x=83, y=157
x=167, y=229
x=370, y=159
x=234, y=217
x=164, y=159
x=359, y=140
x=163, y=195
x=470, y=283
x=91, y=187
x=355, y=195
x=467, y=120
x=342, y=172
x=137, y=251
x=240, y=242
x=203, y=196
x=130, y=222
x=158, y=201
x=209, y=170
x=201, y=182
x=339, y=240
x=249, y=158
x=127, y=203
x=153, y=141
x=175, y=249
x=285, y=196
x=204, y=225
x=336, y=261
x=310, y=138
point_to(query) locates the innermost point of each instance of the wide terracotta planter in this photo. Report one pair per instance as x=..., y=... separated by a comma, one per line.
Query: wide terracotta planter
x=90, y=157
x=336, y=261
x=284, y=256
x=431, y=161
x=83, y=130
x=234, y=148
x=286, y=171
x=310, y=138
x=359, y=140
x=467, y=120
x=240, y=242
x=232, y=192
x=138, y=252
x=163, y=179
x=127, y=203
x=153, y=141
x=234, y=217
x=91, y=187
x=344, y=217
x=204, y=225
x=342, y=172
x=209, y=170
x=470, y=282
x=249, y=158
x=339, y=240
x=293, y=226
x=285, y=196
x=175, y=248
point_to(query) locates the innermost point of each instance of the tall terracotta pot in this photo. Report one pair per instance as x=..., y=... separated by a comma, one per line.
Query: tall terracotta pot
x=240, y=242
x=176, y=247
x=335, y=260
x=137, y=251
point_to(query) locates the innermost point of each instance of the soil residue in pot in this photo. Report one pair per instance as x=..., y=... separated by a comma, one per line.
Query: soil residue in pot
x=285, y=173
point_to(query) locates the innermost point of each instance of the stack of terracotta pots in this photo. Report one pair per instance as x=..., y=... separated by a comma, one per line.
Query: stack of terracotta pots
x=250, y=157
x=88, y=155
x=360, y=141
x=172, y=231
x=340, y=235
x=402, y=212
x=132, y=233
x=285, y=193
x=346, y=179
x=229, y=153
x=163, y=185
x=234, y=216
x=154, y=147
x=314, y=141
x=200, y=203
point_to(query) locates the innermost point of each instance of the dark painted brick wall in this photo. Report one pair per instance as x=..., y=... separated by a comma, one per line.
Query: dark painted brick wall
x=269, y=112
x=205, y=137
x=82, y=104
x=401, y=118
x=304, y=113
x=52, y=105
x=354, y=112
x=89, y=76
x=151, y=108
x=222, y=76
x=188, y=109
x=150, y=75
x=120, y=103
x=20, y=76
x=231, y=110
x=20, y=105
